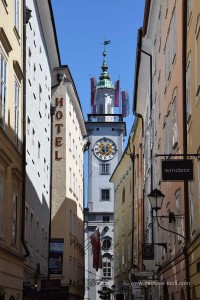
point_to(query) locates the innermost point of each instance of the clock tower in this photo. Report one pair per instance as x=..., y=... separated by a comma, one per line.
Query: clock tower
x=106, y=131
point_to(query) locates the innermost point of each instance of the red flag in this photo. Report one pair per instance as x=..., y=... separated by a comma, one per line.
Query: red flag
x=93, y=88
x=125, y=104
x=116, y=94
x=94, y=109
x=96, y=249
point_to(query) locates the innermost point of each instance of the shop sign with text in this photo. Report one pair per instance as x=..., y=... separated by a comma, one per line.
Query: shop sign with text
x=177, y=169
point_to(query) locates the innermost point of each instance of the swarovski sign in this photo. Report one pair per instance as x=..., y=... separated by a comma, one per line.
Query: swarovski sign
x=177, y=169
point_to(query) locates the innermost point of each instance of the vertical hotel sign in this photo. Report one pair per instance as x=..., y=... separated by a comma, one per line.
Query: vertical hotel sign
x=58, y=127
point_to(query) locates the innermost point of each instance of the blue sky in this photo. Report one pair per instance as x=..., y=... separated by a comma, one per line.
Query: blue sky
x=81, y=28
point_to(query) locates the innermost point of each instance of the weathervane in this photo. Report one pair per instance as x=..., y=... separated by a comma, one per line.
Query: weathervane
x=106, y=43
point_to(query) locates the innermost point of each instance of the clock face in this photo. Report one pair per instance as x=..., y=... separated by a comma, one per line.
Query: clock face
x=104, y=149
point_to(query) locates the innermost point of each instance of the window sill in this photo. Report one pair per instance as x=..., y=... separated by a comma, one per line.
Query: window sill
x=5, y=5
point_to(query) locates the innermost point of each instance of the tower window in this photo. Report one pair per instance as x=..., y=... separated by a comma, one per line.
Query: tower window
x=109, y=108
x=106, y=268
x=105, y=194
x=104, y=169
x=106, y=244
x=106, y=219
x=101, y=109
x=113, y=129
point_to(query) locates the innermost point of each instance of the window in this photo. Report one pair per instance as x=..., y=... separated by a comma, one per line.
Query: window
x=197, y=56
x=188, y=92
x=39, y=150
x=170, y=47
x=198, y=178
x=106, y=268
x=192, y=206
x=16, y=113
x=106, y=219
x=174, y=123
x=123, y=195
x=189, y=10
x=43, y=241
x=31, y=230
x=1, y=206
x=70, y=142
x=109, y=108
x=70, y=179
x=16, y=14
x=70, y=221
x=74, y=183
x=178, y=212
x=104, y=169
x=101, y=109
x=106, y=244
x=3, y=89
x=37, y=235
x=14, y=219
x=26, y=223
x=105, y=194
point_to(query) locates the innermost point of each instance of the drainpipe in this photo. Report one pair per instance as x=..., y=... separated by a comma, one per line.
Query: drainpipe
x=27, y=253
x=186, y=197
x=132, y=157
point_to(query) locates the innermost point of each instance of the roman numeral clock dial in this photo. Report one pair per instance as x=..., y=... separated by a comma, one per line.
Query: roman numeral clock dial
x=104, y=149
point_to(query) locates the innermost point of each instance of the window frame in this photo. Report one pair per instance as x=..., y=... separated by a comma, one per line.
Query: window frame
x=106, y=268
x=105, y=195
x=15, y=201
x=16, y=112
x=17, y=15
x=104, y=169
x=3, y=89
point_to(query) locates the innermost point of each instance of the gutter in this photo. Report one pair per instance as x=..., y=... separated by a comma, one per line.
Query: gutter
x=27, y=253
x=137, y=68
x=54, y=30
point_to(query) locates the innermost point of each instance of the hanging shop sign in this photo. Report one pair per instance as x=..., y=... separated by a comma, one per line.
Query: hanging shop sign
x=177, y=170
x=147, y=251
x=56, y=256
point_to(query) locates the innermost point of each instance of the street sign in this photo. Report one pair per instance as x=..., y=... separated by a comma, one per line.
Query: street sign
x=177, y=170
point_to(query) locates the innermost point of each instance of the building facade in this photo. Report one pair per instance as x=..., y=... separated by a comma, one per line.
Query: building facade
x=42, y=56
x=193, y=140
x=128, y=213
x=106, y=132
x=159, y=97
x=11, y=148
x=69, y=143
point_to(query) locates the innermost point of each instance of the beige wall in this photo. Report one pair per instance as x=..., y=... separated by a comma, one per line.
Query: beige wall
x=67, y=185
x=128, y=219
x=193, y=125
x=11, y=253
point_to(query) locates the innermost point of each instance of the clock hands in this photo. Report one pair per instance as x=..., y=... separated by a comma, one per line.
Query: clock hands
x=105, y=149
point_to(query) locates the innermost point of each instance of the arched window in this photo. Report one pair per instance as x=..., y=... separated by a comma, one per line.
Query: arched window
x=106, y=267
x=109, y=108
x=106, y=244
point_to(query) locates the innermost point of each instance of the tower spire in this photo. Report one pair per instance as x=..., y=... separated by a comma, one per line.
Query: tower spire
x=104, y=78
